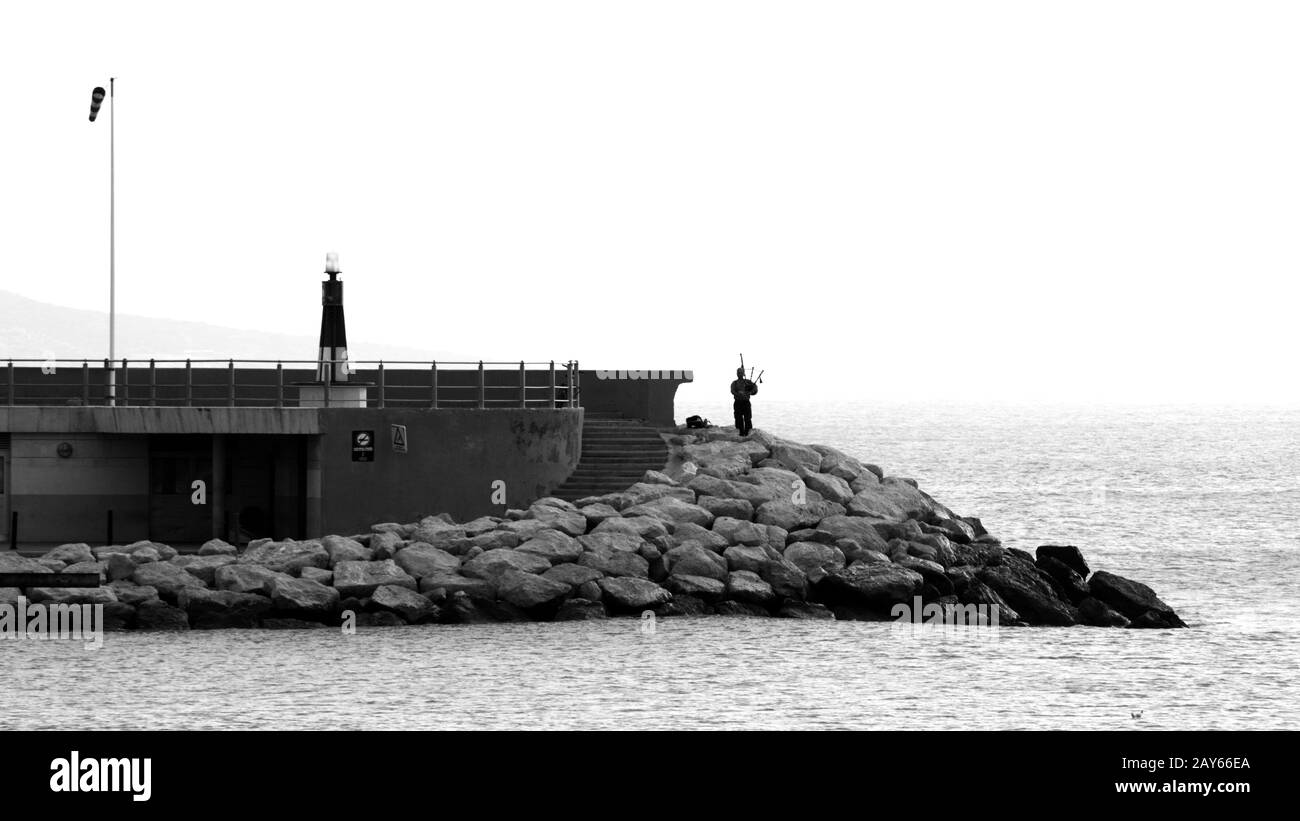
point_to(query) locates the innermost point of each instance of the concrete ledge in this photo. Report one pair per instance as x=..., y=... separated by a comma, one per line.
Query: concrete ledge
x=133, y=419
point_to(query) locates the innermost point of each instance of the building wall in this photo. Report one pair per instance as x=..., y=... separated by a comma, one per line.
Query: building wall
x=647, y=395
x=453, y=458
x=67, y=499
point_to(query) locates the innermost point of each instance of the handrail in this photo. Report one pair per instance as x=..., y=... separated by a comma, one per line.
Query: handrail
x=232, y=383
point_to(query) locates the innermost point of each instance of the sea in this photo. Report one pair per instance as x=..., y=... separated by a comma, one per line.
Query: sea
x=1201, y=503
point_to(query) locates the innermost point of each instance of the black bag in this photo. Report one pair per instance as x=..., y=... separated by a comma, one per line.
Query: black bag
x=696, y=422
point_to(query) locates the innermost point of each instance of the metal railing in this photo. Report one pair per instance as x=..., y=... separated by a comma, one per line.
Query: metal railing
x=290, y=383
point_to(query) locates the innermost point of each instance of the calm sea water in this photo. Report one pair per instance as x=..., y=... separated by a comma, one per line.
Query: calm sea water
x=1200, y=503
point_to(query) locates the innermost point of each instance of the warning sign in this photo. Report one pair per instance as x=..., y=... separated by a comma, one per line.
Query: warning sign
x=399, y=438
x=363, y=446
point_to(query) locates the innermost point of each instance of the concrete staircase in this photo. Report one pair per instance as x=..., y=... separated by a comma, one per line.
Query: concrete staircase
x=616, y=452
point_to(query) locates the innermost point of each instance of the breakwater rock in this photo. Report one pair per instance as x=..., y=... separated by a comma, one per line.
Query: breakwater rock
x=756, y=526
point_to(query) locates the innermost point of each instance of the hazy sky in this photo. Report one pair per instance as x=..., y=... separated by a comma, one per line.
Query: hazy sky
x=911, y=200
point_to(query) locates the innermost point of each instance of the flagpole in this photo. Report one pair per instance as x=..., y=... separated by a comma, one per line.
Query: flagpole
x=112, y=249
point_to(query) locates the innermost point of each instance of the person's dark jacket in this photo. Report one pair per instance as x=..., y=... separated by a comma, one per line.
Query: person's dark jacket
x=742, y=389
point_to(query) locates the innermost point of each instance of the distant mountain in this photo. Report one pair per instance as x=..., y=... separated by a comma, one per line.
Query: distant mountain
x=36, y=330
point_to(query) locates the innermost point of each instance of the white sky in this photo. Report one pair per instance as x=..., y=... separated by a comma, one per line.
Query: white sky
x=1086, y=201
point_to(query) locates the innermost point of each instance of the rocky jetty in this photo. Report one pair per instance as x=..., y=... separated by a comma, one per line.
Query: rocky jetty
x=753, y=526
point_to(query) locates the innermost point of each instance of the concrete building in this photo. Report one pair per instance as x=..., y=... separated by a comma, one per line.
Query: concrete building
x=180, y=452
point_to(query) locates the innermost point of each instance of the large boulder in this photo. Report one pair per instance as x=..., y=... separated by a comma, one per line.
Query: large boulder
x=832, y=488
x=878, y=586
x=288, y=556
x=755, y=494
x=96, y=567
x=702, y=587
x=523, y=529
x=640, y=493
x=734, y=508
x=794, y=456
x=1132, y=599
x=165, y=552
x=555, y=501
x=20, y=564
x=1073, y=585
x=481, y=525
x=204, y=567
x=216, y=609
x=401, y=531
x=610, y=540
x=657, y=477
x=129, y=592
x=597, y=513
x=403, y=601
x=492, y=563
x=1095, y=613
x=672, y=509
x=71, y=595
x=71, y=553
x=785, y=578
x=782, y=484
x=432, y=529
x=569, y=521
x=420, y=559
x=815, y=559
x=834, y=528
x=304, y=597
x=647, y=527
x=747, y=557
x=932, y=572
x=217, y=547
x=892, y=499
x=343, y=549
x=747, y=586
x=724, y=459
x=360, y=579
x=492, y=540
x=992, y=605
x=118, y=566
x=167, y=578
x=553, y=545
x=616, y=563
x=687, y=532
x=247, y=578
x=838, y=463
x=691, y=559
x=955, y=529
x=633, y=594
x=1069, y=555
x=736, y=531
x=528, y=590
x=788, y=515
x=384, y=545
x=574, y=575
x=1025, y=589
